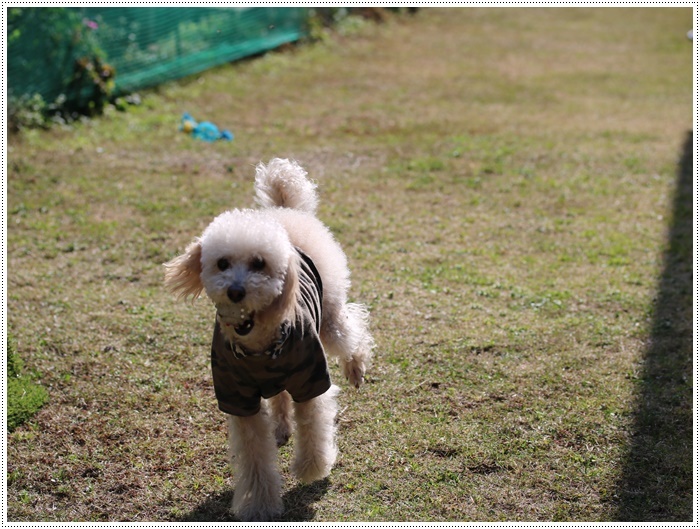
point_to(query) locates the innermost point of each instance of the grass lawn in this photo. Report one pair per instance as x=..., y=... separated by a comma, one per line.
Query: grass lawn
x=513, y=188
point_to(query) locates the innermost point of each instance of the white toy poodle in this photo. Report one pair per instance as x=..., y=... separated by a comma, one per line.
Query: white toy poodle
x=279, y=282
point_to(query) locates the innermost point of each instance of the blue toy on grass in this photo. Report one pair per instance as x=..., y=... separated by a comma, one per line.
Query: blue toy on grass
x=204, y=131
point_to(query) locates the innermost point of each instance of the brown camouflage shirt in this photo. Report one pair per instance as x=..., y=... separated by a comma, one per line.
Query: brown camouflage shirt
x=295, y=363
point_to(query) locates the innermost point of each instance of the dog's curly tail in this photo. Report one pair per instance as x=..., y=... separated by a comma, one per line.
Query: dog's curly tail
x=284, y=184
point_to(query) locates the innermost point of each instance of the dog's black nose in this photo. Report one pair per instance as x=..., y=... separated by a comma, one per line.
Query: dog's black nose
x=235, y=293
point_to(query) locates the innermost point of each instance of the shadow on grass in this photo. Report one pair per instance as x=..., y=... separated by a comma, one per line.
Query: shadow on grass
x=657, y=479
x=298, y=505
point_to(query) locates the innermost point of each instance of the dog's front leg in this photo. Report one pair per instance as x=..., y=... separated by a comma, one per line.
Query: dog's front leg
x=315, y=450
x=253, y=453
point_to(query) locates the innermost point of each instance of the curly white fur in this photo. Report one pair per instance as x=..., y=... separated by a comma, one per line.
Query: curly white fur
x=283, y=183
x=253, y=250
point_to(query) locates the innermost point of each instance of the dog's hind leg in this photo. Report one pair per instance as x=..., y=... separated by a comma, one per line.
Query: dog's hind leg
x=314, y=445
x=281, y=410
x=347, y=337
x=253, y=451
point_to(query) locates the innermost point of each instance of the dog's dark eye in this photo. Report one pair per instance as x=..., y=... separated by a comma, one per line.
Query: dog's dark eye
x=258, y=263
x=222, y=264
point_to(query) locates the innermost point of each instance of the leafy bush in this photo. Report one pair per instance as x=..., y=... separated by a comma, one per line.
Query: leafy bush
x=26, y=112
x=54, y=55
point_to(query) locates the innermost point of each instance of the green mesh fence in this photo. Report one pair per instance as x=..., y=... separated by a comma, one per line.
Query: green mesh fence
x=78, y=53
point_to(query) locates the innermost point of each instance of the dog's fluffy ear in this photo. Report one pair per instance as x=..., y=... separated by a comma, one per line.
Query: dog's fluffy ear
x=182, y=274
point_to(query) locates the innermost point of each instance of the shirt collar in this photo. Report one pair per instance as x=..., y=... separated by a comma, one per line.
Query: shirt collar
x=273, y=351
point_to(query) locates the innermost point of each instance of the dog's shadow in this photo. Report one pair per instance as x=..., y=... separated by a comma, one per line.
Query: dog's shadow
x=299, y=501
x=298, y=505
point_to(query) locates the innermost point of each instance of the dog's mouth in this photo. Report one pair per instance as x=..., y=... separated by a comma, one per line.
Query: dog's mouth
x=245, y=327
x=241, y=321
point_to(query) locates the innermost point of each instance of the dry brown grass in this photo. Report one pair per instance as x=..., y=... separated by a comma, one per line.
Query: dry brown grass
x=503, y=181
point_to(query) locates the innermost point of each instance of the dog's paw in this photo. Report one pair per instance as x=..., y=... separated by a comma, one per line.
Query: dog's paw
x=282, y=434
x=354, y=372
x=249, y=509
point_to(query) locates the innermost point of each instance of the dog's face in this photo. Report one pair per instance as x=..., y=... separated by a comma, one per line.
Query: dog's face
x=245, y=257
x=241, y=261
